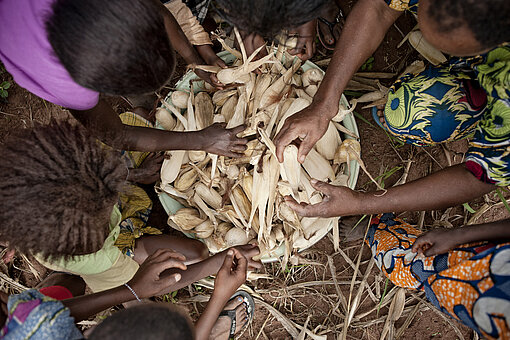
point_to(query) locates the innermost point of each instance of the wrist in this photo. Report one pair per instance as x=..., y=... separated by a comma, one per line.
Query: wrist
x=325, y=109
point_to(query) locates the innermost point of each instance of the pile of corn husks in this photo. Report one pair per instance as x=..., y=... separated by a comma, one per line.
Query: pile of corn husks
x=234, y=201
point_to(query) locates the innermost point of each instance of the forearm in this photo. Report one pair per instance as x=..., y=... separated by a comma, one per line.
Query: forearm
x=179, y=41
x=196, y=271
x=363, y=32
x=82, y=307
x=446, y=188
x=206, y=322
x=495, y=231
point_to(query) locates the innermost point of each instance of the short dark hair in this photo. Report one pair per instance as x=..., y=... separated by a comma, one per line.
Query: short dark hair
x=487, y=19
x=58, y=186
x=268, y=17
x=151, y=321
x=117, y=47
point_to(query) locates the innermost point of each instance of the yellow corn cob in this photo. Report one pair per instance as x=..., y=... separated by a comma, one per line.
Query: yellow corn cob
x=186, y=180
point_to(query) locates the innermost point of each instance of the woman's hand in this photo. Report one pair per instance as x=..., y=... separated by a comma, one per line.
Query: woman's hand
x=305, y=48
x=231, y=275
x=218, y=140
x=210, y=58
x=435, y=242
x=147, y=282
x=307, y=125
x=337, y=201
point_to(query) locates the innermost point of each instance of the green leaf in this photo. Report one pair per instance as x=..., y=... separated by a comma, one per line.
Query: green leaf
x=468, y=208
x=3, y=93
x=503, y=199
x=5, y=85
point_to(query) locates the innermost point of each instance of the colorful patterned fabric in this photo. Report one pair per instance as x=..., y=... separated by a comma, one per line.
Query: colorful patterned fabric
x=31, y=315
x=468, y=97
x=403, y=5
x=199, y=8
x=134, y=203
x=471, y=283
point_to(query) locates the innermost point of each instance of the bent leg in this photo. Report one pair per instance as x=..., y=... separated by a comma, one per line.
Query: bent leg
x=434, y=106
x=471, y=283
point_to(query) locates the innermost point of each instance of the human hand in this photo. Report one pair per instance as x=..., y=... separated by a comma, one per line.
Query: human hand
x=231, y=275
x=435, y=242
x=307, y=125
x=249, y=251
x=305, y=48
x=149, y=170
x=218, y=140
x=210, y=58
x=251, y=42
x=337, y=201
x=147, y=281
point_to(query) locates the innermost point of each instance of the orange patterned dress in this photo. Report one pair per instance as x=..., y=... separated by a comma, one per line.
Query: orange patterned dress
x=471, y=283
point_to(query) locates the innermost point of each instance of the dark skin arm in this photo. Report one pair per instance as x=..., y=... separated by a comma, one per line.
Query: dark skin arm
x=230, y=277
x=210, y=266
x=440, y=241
x=363, y=32
x=105, y=124
x=146, y=283
x=203, y=54
x=446, y=188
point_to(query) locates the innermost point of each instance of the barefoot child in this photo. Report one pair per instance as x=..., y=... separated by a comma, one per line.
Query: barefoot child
x=70, y=51
x=66, y=187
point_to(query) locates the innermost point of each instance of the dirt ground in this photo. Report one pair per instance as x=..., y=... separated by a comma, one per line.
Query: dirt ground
x=311, y=292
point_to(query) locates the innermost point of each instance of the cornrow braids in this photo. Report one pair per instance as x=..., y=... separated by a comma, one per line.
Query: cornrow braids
x=487, y=19
x=58, y=186
x=268, y=17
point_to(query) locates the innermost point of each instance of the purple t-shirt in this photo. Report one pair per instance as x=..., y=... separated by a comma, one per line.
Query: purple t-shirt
x=29, y=57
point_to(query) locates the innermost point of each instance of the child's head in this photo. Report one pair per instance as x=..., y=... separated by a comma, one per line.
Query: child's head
x=465, y=27
x=268, y=17
x=155, y=321
x=118, y=47
x=58, y=186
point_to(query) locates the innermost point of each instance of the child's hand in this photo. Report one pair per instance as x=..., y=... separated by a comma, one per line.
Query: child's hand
x=149, y=170
x=210, y=58
x=147, y=282
x=218, y=140
x=231, y=275
x=249, y=251
x=435, y=242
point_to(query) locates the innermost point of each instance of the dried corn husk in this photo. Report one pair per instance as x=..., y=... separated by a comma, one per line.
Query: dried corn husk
x=180, y=99
x=432, y=54
x=241, y=199
x=186, y=218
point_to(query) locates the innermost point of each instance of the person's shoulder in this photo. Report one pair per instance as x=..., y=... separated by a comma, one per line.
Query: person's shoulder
x=28, y=56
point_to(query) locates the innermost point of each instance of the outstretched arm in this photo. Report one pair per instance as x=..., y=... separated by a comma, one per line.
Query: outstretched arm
x=105, y=124
x=440, y=241
x=363, y=32
x=451, y=186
